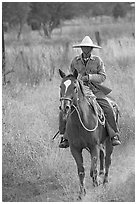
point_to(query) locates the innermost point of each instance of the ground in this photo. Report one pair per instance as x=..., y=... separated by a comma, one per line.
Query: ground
x=121, y=186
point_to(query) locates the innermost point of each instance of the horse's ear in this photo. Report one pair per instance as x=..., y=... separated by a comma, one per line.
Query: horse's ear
x=75, y=73
x=62, y=74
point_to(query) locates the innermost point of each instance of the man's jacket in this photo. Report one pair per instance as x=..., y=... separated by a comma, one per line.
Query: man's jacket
x=96, y=70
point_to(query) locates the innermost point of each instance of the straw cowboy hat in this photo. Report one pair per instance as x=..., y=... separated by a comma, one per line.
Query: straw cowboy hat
x=87, y=42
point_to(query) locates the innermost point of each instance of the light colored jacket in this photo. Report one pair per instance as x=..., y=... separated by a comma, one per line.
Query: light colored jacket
x=96, y=70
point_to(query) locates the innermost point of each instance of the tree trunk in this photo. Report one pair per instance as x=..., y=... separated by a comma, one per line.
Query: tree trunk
x=46, y=30
x=3, y=56
x=20, y=30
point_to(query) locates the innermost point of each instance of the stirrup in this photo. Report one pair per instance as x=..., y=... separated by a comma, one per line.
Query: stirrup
x=115, y=140
x=64, y=143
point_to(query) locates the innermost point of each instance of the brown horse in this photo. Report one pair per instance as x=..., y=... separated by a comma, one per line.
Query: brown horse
x=84, y=130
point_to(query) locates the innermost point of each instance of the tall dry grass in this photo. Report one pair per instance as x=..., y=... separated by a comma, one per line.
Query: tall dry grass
x=30, y=111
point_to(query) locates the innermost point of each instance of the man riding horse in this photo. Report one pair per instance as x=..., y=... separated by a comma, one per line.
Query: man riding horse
x=92, y=72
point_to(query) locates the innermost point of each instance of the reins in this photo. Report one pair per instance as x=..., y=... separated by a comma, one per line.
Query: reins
x=96, y=113
x=64, y=98
x=89, y=130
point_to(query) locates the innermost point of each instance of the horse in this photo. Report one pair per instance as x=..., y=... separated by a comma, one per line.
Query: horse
x=84, y=130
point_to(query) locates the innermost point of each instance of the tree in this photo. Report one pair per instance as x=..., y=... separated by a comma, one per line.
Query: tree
x=98, y=9
x=16, y=13
x=3, y=56
x=119, y=11
x=50, y=14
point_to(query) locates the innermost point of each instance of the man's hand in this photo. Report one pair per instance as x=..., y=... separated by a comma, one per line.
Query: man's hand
x=85, y=78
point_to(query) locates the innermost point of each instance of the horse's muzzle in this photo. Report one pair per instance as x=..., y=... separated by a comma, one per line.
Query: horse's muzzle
x=65, y=106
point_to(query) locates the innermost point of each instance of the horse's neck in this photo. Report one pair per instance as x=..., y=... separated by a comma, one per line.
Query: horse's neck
x=87, y=113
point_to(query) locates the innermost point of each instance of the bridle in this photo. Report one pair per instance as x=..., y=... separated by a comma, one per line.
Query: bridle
x=76, y=109
x=65, y=98
x=76, y=105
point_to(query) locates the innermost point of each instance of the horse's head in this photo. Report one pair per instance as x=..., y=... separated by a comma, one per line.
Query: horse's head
x=69, y=90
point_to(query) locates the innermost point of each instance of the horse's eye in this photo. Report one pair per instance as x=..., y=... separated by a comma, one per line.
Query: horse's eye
x=75, y=89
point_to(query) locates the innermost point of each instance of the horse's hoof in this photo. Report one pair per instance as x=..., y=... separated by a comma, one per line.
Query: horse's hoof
x=101, y=172
x=79, y=198
x=84, y=192
x=81, y=194
x=96, y=183
x=105, y=180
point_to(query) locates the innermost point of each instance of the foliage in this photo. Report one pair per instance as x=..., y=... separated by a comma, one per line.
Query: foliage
x=35, y=24
x=50, y=14
x=97, y=8
x=119, y=11
x=16, y=13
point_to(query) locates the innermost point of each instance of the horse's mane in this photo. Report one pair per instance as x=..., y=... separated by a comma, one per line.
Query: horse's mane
x=85, y=105
x=83, y=93
x=81, y=88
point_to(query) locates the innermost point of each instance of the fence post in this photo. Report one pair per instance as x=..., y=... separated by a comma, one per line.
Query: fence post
x=98, y=38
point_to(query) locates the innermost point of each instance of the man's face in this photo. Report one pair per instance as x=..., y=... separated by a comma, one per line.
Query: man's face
x=86, y=50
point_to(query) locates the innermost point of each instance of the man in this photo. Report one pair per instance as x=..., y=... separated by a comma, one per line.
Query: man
x=92, y=72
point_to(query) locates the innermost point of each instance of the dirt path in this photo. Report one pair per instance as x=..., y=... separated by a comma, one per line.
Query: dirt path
x=121, y=187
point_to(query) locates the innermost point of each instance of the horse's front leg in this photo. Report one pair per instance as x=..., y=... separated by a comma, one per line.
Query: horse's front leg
x=101, y=155
x=94, y=159
x=109, y=150
x=102, y=159
x=77, y=154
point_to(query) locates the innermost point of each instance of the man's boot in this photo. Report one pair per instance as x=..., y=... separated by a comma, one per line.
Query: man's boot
x=113, y=135
x=64, y=143
x=115, y=140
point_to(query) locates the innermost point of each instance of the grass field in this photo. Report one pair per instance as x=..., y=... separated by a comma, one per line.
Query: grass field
x=34, y=168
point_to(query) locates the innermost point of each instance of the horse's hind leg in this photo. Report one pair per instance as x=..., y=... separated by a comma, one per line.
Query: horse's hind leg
x=102, y=159
x=109, y=149
x=77, y=154
x=93, y=171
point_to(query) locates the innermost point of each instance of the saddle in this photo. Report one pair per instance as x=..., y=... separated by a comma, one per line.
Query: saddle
x=91, y=98
x=99, y=111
